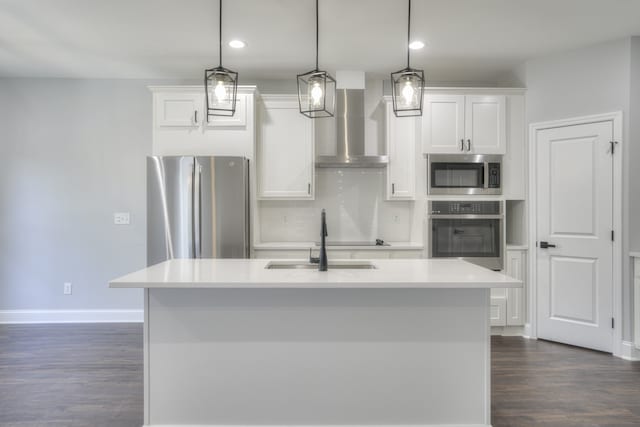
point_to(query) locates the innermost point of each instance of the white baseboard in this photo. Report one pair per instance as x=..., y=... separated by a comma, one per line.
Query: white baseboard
x=629, y=352
x=71, y=316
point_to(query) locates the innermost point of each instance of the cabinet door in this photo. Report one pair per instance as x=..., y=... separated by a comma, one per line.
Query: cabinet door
x=179, y=109
x=238, y=120
x=497, y=311
x=401, y=145
x=485, y=124
x=285, y=150
x=515, y=267
x=443, y=124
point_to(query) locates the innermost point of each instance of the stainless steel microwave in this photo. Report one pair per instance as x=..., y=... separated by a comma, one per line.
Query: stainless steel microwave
x=464, y=174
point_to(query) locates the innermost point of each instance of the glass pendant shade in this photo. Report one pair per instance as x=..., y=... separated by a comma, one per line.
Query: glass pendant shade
x=316, y=94
x=221, y=88
x=407, y=89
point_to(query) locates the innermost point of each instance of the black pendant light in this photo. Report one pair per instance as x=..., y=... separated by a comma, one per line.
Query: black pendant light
x=221, y=85
x=316, y=89
x=407, y=85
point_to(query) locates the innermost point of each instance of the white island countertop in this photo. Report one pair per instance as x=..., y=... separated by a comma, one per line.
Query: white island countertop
x=251, y=273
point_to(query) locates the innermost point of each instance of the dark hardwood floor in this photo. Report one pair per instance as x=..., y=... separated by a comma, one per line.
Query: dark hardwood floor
x=91, y=375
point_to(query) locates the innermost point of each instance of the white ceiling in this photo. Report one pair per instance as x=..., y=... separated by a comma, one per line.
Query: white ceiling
x=467, y=40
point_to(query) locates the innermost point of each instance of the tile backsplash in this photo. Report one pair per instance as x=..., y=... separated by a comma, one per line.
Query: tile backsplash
x=356, y=211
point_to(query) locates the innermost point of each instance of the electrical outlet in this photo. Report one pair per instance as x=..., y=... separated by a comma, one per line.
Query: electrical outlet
x=67, y=288
x=121, y=218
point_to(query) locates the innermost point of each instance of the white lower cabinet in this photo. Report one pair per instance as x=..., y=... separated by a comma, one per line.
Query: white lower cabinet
x=498, y=314
x=515, y=262
x=508, y=305
x=636, y=269
x=285, y=150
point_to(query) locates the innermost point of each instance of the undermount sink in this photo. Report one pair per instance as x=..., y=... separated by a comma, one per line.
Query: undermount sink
x=305, y=265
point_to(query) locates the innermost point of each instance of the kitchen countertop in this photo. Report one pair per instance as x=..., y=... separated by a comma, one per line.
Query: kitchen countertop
x=277, y=246
x=251, y=273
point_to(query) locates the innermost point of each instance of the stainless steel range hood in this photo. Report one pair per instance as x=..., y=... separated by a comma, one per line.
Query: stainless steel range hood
x=350, y=138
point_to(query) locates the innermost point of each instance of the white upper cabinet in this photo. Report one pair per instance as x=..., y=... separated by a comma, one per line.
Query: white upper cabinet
x=239, y=118
x=175, y=109
x=401, y=136
x=464, y=124
x=285, y=150
x=181, y=127
x=443, y=123
x=485, y=128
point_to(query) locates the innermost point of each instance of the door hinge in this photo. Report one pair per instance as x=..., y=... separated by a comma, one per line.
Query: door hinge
x=613, y=146
x=612, y=323
x=612, y=236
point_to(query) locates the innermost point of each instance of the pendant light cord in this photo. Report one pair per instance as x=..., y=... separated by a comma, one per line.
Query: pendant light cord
x=317, y=35
x=220, y=33
x=408, y=33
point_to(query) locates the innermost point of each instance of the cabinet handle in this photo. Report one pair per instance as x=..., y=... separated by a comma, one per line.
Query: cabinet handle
x=195, y=117
x=468, y=145
x=462, y=145
x=393, y=188
x=309, y=188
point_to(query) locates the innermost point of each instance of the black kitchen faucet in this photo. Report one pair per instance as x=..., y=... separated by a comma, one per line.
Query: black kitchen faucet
x=323, y=264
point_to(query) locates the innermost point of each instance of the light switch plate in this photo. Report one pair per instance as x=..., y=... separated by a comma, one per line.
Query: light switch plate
x=121, y=218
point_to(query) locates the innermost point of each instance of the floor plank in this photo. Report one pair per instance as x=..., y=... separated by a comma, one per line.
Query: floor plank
x=91, y=375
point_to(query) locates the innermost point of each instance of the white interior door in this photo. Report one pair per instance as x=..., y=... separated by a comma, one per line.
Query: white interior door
x=574, y=213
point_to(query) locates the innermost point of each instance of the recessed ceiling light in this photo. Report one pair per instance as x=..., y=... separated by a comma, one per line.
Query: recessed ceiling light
x=237, y=44
x=417, y=44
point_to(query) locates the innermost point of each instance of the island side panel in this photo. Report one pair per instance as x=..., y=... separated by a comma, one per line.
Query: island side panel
x=318, y=357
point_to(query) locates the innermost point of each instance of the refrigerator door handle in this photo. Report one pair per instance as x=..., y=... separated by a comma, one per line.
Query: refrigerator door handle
x=197, y=210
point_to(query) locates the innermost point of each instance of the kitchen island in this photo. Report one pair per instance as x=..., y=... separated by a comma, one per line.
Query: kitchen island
x=258, y=342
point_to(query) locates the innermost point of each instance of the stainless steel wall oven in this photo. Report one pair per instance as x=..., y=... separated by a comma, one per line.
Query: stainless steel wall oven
x=470, y=230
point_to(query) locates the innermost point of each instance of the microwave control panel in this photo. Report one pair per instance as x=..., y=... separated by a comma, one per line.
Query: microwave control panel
x=442, y=207
x=494, y=175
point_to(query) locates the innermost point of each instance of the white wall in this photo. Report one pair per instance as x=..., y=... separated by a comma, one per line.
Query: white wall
x=73, y=152
x=586, y=81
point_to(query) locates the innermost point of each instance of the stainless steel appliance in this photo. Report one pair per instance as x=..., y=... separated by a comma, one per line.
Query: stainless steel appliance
x=470, y=230
x=350, y=120
x=197, y=207
x=464, y=174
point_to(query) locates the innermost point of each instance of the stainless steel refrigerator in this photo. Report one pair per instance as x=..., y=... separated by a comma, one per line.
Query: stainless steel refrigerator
x=197, y=207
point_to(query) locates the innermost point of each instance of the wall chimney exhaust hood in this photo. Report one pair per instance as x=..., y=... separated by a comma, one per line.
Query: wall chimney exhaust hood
x=350, y=137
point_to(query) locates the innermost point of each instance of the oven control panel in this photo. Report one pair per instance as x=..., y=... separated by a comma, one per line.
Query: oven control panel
x=455, y=207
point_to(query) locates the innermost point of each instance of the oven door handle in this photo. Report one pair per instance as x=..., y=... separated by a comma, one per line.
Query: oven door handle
x=466, y=216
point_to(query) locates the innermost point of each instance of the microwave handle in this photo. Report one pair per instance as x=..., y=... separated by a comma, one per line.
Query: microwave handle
x=485, y=182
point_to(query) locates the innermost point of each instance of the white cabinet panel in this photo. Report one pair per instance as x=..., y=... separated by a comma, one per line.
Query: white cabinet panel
x=636, y=280
x=175, y=109
x=443, y=124
x=515, y=267
x=514, y=163
x=497, y=311
x=401, y=136
x=285, y=150
x=485, y=127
